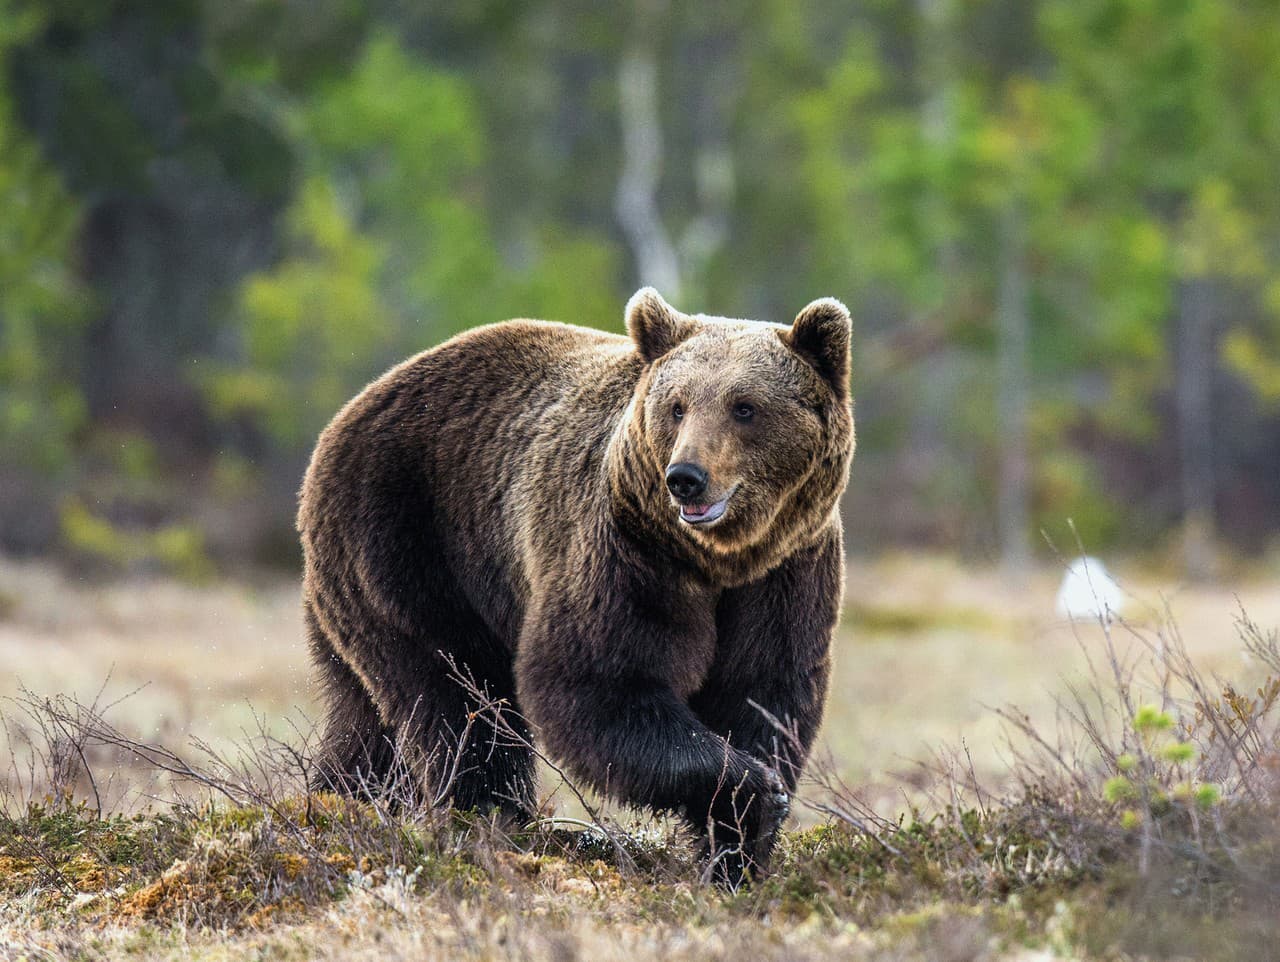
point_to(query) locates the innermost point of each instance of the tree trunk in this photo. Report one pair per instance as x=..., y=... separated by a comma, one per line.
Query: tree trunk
x=1013, y=394
x=1195, y=368
x=938, y=87
x=636, y=200
x=705, y=234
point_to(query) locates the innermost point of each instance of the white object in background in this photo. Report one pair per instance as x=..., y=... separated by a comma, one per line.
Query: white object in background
x=1089, y=591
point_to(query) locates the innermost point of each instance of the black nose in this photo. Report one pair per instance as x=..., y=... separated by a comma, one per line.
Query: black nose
x=686, y=481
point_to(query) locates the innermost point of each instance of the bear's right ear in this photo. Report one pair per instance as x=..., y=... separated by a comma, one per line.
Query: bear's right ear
x=655, y=325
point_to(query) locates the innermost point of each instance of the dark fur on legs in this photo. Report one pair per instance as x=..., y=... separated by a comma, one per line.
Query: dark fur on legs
x=357, y=754
x=446, y=745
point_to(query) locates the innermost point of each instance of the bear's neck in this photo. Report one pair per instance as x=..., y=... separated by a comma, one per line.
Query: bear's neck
x=641, y=510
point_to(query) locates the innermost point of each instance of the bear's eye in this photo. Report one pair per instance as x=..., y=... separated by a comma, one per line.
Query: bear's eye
x=677, y=411
x=743, y=412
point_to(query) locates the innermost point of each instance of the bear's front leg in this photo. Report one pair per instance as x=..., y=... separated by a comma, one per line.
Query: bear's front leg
x=767, y=686
x=590, y=675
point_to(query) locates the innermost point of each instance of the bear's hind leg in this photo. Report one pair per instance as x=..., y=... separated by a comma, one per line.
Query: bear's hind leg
x=478, y=747
x=443, y=702
x=357, y=752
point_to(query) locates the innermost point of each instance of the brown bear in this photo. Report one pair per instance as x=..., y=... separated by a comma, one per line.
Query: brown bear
x=634, y=541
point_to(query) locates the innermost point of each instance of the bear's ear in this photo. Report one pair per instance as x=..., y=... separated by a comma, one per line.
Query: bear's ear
x=821, y=334
x=655, y=325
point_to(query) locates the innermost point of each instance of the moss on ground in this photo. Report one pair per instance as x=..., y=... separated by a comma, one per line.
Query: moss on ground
x=1004, y=877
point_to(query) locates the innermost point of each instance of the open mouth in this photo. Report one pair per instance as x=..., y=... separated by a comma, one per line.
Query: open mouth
x=704, y=513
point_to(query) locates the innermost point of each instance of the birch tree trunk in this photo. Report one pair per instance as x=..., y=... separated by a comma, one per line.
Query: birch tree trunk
x=636, y=200
x=705, y=234
x=938, y=123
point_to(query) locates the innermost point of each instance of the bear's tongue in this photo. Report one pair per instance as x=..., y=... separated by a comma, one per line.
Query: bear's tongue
x=702, y=513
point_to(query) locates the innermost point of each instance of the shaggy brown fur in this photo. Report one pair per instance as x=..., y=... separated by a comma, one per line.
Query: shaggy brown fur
x=502, y=500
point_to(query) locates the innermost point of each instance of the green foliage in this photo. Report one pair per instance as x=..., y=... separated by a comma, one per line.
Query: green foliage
x=41, y=300
x=175, y=548
x=1068, y=487
x=409, y=136
x=275, y=202
x=1174, y=88
x=1149, y=719
x=1207, y=796
x=1250, y=358
x=1161, y=776
x=388, y=250
x=1118, y=789
x=312, y=327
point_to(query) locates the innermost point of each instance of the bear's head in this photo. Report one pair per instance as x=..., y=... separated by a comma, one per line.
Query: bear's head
x=749, y=424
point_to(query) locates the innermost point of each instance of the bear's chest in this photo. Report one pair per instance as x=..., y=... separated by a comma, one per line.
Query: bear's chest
x=690, y=639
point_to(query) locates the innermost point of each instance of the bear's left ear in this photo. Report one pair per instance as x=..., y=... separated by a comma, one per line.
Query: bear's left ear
x=655, y=325
x=821, y=334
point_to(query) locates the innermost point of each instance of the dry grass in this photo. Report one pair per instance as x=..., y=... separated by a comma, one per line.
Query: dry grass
x=1015, y=842
x=928, y=643
x=191, y=661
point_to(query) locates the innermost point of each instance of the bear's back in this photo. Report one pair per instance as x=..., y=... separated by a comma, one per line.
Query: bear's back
x=442, y=453
x=490, y=387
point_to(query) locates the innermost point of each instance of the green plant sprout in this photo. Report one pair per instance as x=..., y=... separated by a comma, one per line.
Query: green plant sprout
x=1165, y=785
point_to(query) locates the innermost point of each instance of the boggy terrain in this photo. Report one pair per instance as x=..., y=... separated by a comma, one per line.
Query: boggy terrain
x=1134, y=822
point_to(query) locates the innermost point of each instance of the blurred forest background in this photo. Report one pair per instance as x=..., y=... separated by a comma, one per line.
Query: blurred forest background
x=1057, y=224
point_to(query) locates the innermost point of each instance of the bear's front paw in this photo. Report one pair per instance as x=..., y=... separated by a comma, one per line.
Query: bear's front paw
x=743, y=828
x=778, y=802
